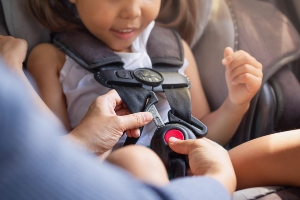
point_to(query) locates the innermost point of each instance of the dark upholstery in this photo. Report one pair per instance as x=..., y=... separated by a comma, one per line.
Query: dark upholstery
x=21, y=24
x=261, y=30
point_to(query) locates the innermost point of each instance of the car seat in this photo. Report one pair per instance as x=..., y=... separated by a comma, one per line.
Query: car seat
x=15, y=20
x=264, y=32
x=241, y=24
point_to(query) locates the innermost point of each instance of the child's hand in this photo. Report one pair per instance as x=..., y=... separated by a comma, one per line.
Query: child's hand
x=243, y=76
x=13, y=51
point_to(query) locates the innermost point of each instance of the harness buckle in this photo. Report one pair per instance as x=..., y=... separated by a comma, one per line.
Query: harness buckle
x=147, y=78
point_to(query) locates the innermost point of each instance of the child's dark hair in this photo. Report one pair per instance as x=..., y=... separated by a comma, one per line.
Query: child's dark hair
x=61, y=15
x=182, y=15
x=56, y=15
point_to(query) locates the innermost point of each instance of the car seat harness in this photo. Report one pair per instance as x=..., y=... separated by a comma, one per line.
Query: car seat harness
x=137, y=87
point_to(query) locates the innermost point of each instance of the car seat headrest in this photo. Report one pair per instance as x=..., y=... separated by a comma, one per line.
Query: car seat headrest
x=21, y=24
x=172, y=19
x=266, y=34
x=204, y=11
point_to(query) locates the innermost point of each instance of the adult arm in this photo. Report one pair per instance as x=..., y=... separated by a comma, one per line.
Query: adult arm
x=99, y=138
x=13, y=52
x=37, y=165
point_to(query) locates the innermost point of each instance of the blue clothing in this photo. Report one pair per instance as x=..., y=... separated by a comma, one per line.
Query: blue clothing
x=36, y=164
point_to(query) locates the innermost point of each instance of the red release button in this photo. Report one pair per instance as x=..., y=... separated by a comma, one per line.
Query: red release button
x=173, y=133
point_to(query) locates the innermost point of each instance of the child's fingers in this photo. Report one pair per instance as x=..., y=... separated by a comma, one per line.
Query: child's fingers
x=228, y=51
x=239, y=58
x=252, y=82
x=229, y=55
x=236, y=56
x=245, y=69
x=245, y=59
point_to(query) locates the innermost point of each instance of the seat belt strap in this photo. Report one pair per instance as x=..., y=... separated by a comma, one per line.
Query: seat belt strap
x=178, y=167
x=135, y=99
x=179, y=100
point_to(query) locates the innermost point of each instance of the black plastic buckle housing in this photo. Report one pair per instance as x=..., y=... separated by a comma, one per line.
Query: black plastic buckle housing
x=147, y=78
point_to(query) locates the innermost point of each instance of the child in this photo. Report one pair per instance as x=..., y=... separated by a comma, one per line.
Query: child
x=111, y=33
x=124, y=26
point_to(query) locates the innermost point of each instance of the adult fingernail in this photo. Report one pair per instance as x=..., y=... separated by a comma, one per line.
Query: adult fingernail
x=147, y=116
x=138, y=133
x=172, y=140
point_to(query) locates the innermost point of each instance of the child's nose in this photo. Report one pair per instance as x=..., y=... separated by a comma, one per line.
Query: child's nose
x=131, y=9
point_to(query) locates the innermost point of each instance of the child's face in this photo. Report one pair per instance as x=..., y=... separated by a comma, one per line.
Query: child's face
x=117, y=22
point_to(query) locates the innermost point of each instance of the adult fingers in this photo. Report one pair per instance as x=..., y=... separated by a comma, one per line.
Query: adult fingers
x=135, y=120
x=113, y=97
x=183, y=146
x=122, y=112
x=133, y=133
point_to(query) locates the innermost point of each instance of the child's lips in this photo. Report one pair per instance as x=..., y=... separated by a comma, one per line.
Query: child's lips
x=124, y=33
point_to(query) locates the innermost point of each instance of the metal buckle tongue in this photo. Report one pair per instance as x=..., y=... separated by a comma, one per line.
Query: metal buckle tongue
x=156, y=117
x=150, y=107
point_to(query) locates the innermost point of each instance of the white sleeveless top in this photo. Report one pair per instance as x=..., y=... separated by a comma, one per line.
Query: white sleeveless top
x=81, y=89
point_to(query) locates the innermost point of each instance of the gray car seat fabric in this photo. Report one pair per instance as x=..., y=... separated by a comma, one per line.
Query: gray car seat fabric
x=20, y=24
x=268, y=193
x=3, y=28
x=220, y=25
x=275, y=42
x=261, y=30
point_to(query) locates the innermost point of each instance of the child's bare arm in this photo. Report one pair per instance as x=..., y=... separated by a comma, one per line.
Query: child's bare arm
x=223, y=122
x=44, y=64
x=275, y=157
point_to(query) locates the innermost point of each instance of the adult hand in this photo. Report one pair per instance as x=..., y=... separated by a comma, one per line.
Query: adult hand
x=106, y=121
x=207, y=158
x=13, y=51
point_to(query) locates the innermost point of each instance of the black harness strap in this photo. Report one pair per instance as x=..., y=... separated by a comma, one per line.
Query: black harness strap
x=135, y=99
x=88, y=51
x=179, y=100
x=178, y=167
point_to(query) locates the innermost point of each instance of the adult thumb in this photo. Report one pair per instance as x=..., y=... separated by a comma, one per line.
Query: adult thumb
x=180, y=146
x=135, y=120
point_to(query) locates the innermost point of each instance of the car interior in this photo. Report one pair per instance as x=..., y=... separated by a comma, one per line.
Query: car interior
x=267, y=29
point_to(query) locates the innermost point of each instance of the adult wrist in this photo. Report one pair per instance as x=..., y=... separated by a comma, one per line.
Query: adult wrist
x=85, y=141
x=226, y=178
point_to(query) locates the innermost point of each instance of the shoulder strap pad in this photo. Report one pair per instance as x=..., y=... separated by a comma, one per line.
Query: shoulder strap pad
x=164, y=48
x=86, y=50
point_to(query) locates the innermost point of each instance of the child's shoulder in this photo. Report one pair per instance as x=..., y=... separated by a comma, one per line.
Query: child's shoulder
x=46, y=54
